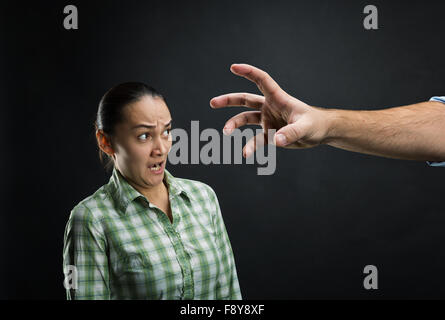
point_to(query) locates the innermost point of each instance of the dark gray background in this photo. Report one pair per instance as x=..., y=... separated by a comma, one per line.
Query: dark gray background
x=305, y=232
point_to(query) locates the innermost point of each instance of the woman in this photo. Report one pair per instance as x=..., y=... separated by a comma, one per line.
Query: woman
x=146, y=234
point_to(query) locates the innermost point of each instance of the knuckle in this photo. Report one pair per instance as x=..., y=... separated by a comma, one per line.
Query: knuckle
x=295, y=132
x=245, y=118
x=243, y=99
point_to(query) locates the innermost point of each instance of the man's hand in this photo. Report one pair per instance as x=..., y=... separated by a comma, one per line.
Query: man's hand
x=412, y=132
x=298, y=125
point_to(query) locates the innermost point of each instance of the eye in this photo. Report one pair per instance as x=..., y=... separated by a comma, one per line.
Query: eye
x=166, y=132
x=144, y=136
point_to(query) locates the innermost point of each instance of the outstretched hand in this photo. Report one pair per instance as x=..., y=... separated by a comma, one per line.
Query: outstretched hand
x=298, y=125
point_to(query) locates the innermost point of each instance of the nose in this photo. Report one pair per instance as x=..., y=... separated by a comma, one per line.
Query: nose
x=160, y=147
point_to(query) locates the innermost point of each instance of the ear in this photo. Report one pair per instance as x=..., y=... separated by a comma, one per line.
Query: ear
x=104, y=142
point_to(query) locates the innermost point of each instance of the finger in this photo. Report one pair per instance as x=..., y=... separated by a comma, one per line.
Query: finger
x=238, y=100
x=264, y=82
x=241, y=119
x=254, y=144
x=288, y=134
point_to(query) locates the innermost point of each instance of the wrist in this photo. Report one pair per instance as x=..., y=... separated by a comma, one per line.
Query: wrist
x=331, y=125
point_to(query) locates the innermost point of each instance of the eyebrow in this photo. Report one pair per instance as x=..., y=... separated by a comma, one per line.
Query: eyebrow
x=150, y=126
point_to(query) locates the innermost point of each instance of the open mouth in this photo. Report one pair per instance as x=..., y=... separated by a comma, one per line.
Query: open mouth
x=157, y=166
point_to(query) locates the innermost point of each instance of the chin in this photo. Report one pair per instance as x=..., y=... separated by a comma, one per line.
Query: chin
x=155, y=179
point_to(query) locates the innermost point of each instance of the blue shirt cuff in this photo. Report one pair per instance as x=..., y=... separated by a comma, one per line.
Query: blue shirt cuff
x=438, y=99
x=432, y=163
x=436, y=164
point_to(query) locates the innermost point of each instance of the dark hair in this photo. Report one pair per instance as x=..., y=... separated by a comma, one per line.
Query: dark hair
x=111, y=106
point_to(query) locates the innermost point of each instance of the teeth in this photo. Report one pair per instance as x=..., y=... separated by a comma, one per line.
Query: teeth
x=155, y=168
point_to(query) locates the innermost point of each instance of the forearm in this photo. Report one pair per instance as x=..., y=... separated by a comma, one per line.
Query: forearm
x=413, y=132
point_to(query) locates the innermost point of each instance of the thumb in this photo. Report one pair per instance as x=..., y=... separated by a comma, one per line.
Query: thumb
x=287, y=134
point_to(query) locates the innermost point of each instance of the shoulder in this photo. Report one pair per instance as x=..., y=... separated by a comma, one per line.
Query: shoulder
x=86, y=218
x=92, y=208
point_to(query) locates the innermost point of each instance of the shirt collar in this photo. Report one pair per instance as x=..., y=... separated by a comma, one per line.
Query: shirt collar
x=123, y=193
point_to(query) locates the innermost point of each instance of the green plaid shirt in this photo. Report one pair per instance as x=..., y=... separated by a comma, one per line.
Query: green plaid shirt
x=124, y=247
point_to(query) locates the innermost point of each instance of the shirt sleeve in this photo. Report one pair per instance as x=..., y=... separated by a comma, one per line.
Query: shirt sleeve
x=85, y=261
x=435, y=163
x=227, y=286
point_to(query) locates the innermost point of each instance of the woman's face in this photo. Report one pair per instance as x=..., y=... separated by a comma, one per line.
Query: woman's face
x=142, y=141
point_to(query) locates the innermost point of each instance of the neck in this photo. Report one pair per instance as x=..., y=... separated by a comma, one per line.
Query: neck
x=156, y=192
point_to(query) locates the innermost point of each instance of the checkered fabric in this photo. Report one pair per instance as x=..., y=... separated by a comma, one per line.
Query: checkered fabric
x=124, y=247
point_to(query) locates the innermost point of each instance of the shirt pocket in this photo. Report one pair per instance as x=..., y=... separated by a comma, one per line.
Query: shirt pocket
x=139, y=275
x=130, y=263
x=135, y=262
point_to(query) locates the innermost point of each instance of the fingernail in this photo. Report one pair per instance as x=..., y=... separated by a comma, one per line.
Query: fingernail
x=247, y=152
x=227, y=131
x=280, y=139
